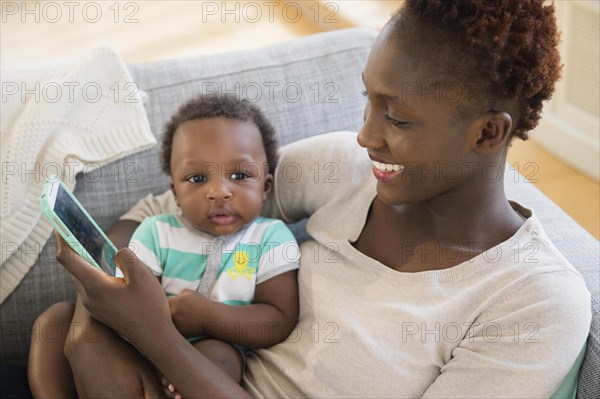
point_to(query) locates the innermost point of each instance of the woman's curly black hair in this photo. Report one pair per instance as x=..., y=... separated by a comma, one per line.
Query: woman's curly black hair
x=223, y=106
x=506, y=47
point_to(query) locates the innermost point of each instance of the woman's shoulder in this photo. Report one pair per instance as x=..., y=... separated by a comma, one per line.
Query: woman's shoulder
x=326, y=143
x=322, y=158
x=532, y=271
x=151, y=205
x=313, y=172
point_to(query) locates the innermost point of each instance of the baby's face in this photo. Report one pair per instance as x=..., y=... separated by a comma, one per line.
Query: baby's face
x=219, y=173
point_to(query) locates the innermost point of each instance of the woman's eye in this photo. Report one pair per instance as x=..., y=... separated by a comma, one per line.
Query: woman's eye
x=364, y=93
x=239, y=176
x=396, y=122
x=197, y=179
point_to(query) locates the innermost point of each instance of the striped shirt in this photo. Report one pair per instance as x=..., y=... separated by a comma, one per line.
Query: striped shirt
x=223, y=268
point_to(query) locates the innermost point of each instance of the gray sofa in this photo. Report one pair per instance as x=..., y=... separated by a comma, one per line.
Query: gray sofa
x=306, y=87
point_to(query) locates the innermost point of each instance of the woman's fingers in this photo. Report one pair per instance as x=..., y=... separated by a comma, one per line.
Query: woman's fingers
x=128, y=305
x=129, y=264
x=83, y=271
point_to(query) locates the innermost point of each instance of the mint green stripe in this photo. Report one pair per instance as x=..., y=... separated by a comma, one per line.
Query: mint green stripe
x=278, y=233
x=168, y=218
x=235, y=302
x=146, y=234
x=183, y=265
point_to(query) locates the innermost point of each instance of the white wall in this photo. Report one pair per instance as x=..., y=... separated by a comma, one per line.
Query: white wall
x=570, y=127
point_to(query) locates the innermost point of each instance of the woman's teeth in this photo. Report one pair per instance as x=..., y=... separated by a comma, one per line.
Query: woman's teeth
x=387, y=167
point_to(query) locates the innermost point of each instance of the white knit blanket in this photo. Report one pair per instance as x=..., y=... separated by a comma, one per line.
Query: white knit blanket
x=59, y=118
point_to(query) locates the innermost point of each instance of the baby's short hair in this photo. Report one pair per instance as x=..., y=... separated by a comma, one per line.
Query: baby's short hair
x=219, y=106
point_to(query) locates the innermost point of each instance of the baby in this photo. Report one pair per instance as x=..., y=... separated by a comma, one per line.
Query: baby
x=226, y=270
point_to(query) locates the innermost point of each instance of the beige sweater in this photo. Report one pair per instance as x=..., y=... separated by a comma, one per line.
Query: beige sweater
x=508, y=323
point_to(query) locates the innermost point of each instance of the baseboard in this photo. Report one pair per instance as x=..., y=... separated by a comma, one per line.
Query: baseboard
x=570, y=146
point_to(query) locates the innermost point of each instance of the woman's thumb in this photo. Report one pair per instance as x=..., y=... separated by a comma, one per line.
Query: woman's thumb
x=127, y=262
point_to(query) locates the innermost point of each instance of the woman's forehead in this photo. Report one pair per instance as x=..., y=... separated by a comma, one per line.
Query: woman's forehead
x=400, y=61
x=391, y=64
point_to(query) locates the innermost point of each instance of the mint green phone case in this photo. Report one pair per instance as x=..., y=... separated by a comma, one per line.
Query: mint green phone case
x=78, y=228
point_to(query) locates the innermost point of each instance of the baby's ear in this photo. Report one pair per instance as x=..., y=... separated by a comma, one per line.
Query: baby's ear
x=268, y=186
x=495, y=130
x=174, y=193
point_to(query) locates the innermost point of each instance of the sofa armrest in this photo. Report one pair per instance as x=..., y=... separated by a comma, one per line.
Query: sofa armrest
x=582, y=250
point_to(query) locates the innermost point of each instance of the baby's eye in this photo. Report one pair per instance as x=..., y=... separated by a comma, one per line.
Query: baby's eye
x=197, y=179
x=239, y=176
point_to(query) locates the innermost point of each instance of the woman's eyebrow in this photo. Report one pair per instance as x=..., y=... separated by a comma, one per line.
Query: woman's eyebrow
x=396, y=99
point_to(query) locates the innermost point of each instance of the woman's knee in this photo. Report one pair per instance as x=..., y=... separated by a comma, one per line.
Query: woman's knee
x=48, y=371
x=52, y=326
x=58, y=313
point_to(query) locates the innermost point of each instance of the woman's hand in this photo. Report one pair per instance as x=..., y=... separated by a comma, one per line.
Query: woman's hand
x=134, y=306
x=137, y=309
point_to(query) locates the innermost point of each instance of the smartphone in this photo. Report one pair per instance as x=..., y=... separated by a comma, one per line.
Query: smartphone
x=77, y=227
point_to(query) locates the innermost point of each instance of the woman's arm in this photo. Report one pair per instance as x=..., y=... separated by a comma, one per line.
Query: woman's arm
x=524, y=345
x=137, y=309
x=120, y=233
x=118, y=368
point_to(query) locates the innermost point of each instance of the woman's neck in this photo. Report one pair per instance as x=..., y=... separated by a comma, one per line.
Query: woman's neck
x=475, y=213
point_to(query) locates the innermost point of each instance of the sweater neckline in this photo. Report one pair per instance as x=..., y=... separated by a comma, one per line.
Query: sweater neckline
x=476, y=264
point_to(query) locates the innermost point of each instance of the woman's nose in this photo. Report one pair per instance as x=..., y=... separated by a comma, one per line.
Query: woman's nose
x=370, y=135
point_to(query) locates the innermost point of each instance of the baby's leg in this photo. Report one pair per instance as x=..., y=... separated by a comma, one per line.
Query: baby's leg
x=48, y=370
x=224, y=355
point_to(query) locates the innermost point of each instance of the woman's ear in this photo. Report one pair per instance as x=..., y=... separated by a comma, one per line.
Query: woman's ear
x=268, y=186
x=494, y=132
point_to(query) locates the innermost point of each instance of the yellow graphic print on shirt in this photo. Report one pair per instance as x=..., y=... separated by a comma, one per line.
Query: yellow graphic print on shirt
x=240, y=267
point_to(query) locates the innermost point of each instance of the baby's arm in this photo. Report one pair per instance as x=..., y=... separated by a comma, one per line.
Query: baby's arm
x=266, y=322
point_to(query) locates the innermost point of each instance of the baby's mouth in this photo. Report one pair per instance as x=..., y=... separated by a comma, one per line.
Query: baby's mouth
x=222, y=217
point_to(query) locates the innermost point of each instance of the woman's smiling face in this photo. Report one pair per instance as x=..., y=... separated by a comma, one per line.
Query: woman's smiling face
x=420, y=146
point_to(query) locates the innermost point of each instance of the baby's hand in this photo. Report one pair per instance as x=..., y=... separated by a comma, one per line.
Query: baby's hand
x=187, y=311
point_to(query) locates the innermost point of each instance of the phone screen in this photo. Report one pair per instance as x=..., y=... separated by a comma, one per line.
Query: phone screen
x=84, y=230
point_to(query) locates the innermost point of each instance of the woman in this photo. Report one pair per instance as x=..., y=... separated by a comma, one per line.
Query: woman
x=422, y=279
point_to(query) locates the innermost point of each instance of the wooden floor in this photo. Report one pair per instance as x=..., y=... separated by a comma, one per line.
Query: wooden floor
x=34, y=31
x=577, y=194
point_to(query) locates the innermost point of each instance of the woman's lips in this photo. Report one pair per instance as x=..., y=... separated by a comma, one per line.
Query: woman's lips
x=384, y=172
